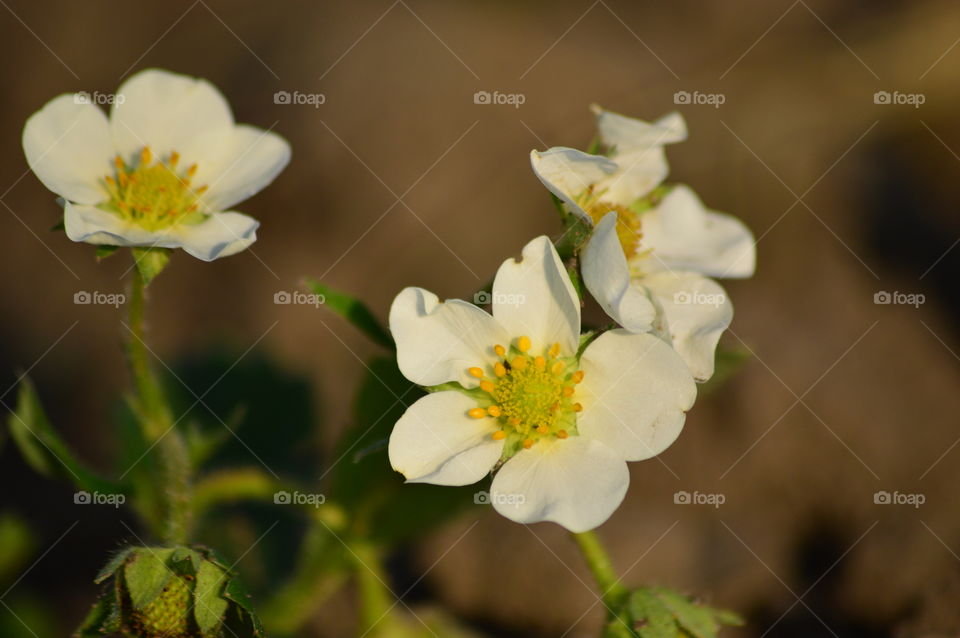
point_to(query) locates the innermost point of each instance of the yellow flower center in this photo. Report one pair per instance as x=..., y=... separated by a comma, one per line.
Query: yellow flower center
x=153, y=194
x=628, y=221
x=531, y=397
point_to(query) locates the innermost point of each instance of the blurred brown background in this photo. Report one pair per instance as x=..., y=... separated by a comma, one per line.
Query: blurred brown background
x=399, y=178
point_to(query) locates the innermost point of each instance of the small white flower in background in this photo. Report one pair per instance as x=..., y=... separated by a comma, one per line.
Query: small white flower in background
x=163, y=171
x=653, y=248
x=562, y=426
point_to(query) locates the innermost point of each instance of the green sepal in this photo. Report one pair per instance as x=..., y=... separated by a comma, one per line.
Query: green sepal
x=146, y=574
x=103, y=618
x=210, y=607
x=237, y=593
x=354, y=311
x=105, y=251
x=112, y=565
x=150, y=262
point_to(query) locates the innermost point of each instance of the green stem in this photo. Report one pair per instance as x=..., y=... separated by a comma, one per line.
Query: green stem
x=376, y=600
x=598, y=560
x=157, y=423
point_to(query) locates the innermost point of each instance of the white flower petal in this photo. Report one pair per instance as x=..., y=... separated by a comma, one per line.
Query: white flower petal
x=93, y=225
x=624, y=133
x=251, y=159
x=607, y=277
x=567, y=172
x=438, y=342
x=634, y=393
x=436, y=442
x=639, y=171
x=534, y=297
x=219, y=235
x=576, y=482
x=69, y=148
x=170, y=112
x=696, y=312
x=685, y=235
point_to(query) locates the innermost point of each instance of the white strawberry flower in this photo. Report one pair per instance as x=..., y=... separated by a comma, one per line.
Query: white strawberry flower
x=515, y=395
x=652, y=251
x=163, y=171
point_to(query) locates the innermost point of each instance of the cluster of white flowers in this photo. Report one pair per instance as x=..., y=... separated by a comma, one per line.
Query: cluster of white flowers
x=556, y=415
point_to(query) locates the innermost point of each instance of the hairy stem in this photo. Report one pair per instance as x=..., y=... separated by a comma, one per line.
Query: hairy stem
x=158, y=425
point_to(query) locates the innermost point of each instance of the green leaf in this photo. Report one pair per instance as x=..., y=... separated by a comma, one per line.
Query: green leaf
x=696, y=620
x=354, y=311
x=151, y=262
x=43, y=449
x=105, y=251
x=146, y=575
x=616, y=628
x=651, y=616
x=209, y=604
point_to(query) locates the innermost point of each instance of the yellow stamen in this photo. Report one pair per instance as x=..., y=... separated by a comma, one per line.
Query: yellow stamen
x=500, y=350
x=499, y=435
x=494, y=411
x=562, y=434
x=577, y=407
x=499, y=369
x=540, y=362
x=557, y=367
x=477, y=413
x=542, y=429
x=476, y=372
x=145, y=156
x=487, y=386
x=554, y=350
x=528, y=443
x=567, y=391
x=519, y=363
x=577, y=376
x=523, y=344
